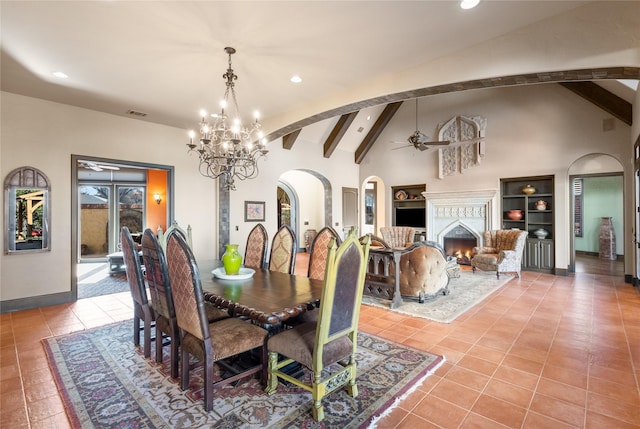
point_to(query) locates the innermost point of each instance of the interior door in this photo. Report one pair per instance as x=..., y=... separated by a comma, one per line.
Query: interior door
x=349, y=209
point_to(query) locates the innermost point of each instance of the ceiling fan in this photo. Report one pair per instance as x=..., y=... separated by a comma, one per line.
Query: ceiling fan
x=96, y=167
x=421, y=141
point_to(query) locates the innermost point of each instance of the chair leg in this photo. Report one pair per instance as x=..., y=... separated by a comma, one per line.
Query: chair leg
x=136, y=330
x=184, y=371
x=147, y=337
x=318, y=409
x=272, y=378
x=473, y=269
x=159, y=339
x=208, y=384
x=174, y=358
x=498, y=274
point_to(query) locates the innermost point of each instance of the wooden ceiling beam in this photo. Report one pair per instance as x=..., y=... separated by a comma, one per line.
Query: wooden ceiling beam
x=376, y=130
x=338, y=132
x=607, y=101
x=289, y=139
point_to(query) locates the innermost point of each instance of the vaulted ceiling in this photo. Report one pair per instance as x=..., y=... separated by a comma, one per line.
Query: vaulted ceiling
x=163, y=61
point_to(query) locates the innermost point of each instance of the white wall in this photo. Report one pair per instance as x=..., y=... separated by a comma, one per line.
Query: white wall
x=310, y=194
x=44, y=135
x=531, y=131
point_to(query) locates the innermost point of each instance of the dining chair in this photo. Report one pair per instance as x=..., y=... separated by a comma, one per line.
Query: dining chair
x=333, y=339
x=255, y=252
x=141, y=309
x=283, y=250
x=162, y=299
x=163, y=235
x=208, y=342
x=319, y=252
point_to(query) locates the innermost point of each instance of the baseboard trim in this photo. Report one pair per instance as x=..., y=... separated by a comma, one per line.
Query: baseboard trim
x=12, y=305
x=561, y=272
x=596, y=254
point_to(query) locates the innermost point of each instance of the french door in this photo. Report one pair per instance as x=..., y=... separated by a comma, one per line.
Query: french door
x=104, y=209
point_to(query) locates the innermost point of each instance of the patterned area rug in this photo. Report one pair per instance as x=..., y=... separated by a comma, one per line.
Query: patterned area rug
x=465, y=292
x=105, y=382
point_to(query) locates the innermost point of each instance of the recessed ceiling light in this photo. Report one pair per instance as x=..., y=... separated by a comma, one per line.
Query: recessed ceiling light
x=469, y=4
x=60, y=74
x=295, y=79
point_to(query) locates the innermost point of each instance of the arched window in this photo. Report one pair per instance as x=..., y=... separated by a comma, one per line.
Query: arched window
x=27, y=211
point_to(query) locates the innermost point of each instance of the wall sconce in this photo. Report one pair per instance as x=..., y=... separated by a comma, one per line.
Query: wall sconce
x=157, y=197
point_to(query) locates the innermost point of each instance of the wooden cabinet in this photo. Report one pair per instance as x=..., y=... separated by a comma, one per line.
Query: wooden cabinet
x=531, y=210
x=538, y=255
x=409, y=208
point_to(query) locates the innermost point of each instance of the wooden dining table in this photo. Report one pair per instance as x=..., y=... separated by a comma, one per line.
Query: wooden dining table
x=268, y=297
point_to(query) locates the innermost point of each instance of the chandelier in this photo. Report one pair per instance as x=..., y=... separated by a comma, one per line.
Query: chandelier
x=228, y=150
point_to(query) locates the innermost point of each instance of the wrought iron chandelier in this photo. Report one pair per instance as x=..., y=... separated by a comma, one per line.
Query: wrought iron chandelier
x=228, y=150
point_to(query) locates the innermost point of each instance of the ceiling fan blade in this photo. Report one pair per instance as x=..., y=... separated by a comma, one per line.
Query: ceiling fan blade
x=97, y=167
x=437, y=143
x=402, y=147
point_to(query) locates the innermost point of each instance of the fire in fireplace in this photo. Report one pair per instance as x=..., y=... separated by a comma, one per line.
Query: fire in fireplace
x=459, y=242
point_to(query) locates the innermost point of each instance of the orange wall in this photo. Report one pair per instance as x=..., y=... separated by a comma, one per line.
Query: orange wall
x=156, y=213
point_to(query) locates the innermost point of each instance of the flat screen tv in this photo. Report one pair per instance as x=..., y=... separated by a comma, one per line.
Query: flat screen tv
x=411, y=216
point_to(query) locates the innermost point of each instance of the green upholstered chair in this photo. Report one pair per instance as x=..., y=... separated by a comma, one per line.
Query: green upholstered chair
x=333, y=339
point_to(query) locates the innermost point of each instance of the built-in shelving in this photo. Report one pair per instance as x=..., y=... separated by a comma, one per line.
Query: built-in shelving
x=409, y=208
x=539, y=252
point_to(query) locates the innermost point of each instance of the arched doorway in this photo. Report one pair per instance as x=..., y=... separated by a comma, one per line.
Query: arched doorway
x=304, y=202
x=596, y=190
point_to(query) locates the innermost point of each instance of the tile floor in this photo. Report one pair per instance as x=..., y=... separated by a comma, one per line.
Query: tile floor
x=542, y=352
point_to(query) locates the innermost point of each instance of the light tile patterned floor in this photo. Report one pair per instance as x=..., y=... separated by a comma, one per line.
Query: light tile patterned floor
x=542, y=352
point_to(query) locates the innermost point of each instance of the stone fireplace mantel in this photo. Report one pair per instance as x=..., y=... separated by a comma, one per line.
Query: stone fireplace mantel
x=471, y=209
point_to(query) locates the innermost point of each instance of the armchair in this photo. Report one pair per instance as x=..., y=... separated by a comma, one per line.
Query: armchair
x=501, y=252
x=397, y=236
x=423, y=271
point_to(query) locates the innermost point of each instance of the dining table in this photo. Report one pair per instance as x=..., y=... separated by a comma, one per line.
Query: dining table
x=267, y=297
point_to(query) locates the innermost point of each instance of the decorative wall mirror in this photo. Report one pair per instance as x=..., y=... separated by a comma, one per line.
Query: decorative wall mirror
x=27, y=211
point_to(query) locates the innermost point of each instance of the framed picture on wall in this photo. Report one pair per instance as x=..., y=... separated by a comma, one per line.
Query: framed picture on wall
x=254, y=211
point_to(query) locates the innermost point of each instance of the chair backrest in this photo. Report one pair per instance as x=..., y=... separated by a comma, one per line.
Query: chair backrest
x=162, y=236
x=186, y=287
x=319, y=251
x=341, y=295
x=505, y=239
x=133, y=268
x=155, y=263
x=256, y=251
x=283, y=251
x=397, y=236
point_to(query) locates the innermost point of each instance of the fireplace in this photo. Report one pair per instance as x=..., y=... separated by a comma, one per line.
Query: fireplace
x=459, y=242
x=457, y=220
